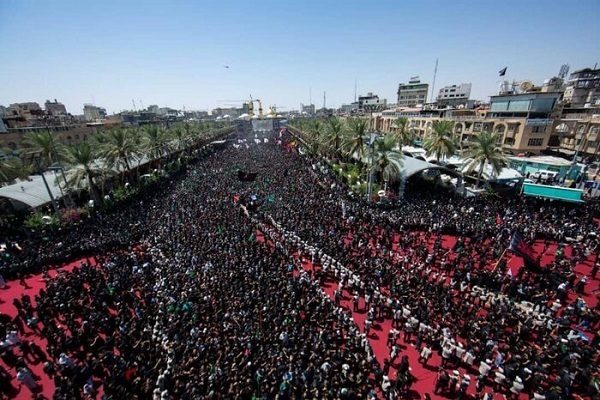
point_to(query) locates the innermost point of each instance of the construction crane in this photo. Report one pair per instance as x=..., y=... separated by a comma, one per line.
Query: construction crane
x=250, y=103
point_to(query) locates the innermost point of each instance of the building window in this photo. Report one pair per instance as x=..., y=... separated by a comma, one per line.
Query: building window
x=509, y=141
x=535, y=142
x=538, y=129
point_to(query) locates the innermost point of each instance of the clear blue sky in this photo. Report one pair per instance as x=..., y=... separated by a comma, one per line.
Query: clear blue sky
x=173, y=53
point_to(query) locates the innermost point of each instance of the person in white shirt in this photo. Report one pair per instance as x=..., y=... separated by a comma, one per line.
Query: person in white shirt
x=425, y=355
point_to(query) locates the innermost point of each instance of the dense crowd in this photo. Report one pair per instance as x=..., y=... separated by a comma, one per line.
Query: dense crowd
x=186, y=302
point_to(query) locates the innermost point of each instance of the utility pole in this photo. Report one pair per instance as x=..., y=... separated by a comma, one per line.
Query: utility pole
x=324, y=100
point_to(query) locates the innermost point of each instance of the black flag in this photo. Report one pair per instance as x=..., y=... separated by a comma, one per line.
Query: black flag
x=246, y=176
x=521, y=248
x=502, y=72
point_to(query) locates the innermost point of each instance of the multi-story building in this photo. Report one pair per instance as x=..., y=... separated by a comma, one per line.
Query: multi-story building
x=577, y=131
x=308, y=109
x=93, y=113
x=55, y=108
x=523, y=120
x=412, y=93
x=576, y=127
x=583, y=87
x=348, y=109
x=27, y=110
x=454, y=95
x=190, y=114
x=370, y=101
x=65, y=134
x=167, y=112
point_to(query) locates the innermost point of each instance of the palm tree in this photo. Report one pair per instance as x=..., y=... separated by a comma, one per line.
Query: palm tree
x=180, y=136
x=12, y=169
x=386, y=160
x=81, y=158
x=154, y=141
x=403, y=133
x=354, y=141
x=118, y=147
x=333, y=135
x=485, y=149
x=315, y=130
x=439, y=140
x=43, y=143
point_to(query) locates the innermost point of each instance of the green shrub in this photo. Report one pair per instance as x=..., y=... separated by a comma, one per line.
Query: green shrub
x=38, y=221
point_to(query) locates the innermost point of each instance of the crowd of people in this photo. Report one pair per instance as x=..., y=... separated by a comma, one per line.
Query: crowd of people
x=185, y=300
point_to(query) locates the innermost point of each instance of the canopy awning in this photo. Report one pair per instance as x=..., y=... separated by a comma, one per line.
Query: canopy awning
x=33, y=192
x=553, y=192
x=412, y=166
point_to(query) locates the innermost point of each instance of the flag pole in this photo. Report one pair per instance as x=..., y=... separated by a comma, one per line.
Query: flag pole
x=499, y=259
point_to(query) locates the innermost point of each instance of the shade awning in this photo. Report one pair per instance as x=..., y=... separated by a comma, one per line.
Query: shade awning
x=553, y=192
x=412, y=166
x=33, y=192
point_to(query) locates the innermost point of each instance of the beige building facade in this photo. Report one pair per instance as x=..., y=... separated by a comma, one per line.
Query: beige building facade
x=578, y=131
x=523, y=121
x=64, y=134
x=519, y=134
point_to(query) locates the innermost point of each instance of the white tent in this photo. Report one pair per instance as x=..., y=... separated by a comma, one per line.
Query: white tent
x=490, y=175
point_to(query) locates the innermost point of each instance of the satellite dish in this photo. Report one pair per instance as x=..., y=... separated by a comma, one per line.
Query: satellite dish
x=525, y=86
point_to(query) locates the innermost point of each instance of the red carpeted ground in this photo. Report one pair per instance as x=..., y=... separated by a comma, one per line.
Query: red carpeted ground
x=12, y=291
x=425, y=375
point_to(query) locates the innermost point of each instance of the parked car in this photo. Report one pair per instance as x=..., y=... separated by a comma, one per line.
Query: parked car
x=545, y=176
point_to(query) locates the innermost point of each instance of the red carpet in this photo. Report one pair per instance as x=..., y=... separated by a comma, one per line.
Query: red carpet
x=12, y=291
x=378, y=337
x=426, y=376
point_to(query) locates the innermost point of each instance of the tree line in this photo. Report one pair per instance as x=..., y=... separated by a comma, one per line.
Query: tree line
x=352, y=141
x=114, y=153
